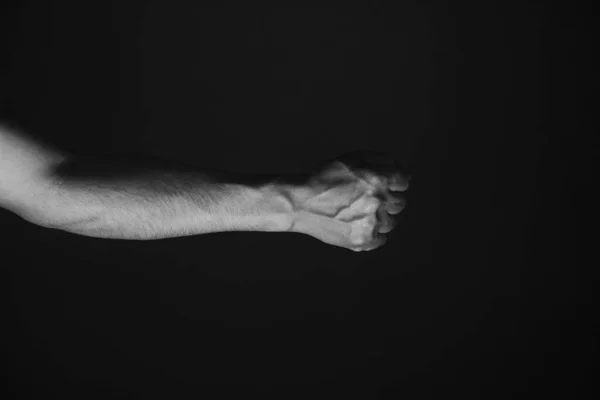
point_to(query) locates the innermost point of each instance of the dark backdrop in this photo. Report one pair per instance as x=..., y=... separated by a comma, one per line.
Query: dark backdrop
x=472, y=294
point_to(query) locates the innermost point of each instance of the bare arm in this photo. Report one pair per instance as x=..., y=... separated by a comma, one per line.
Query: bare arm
x=345, y=202
x=133, y=197
x=129, y=197
x=26, y=163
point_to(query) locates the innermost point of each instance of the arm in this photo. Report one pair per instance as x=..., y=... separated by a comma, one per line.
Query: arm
x=132, y=197
x=25, y=165
x=128, y=197
x=345, y=202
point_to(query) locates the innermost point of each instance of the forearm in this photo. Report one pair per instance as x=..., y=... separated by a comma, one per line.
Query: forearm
x=122, y=197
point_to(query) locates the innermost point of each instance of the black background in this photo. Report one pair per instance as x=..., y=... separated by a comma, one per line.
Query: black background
x=476, y=292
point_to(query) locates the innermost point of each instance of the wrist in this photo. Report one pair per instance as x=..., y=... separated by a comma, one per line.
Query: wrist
x=285, y=192
x=292, y=196
x=280, y=209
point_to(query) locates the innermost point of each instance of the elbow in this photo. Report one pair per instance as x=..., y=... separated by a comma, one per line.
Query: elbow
x=48, y=207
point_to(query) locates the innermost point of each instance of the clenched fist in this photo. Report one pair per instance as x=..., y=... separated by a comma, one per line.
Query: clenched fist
x=348, y=202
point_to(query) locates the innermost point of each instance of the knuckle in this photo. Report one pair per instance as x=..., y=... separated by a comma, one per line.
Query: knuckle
x=363, y=231
x=358, y=241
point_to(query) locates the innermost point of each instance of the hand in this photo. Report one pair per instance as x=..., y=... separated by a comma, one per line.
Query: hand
x=347, y=202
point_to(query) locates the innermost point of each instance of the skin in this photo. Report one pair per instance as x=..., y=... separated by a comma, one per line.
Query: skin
x=346, y=202
x=349, y=202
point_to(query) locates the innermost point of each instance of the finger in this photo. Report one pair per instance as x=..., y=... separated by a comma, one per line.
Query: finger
x=384, y=223
x=382, y=164
x=390, y=199
x=386, y=176
x=395, y=207
x=398, y=182
x=379, y=240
